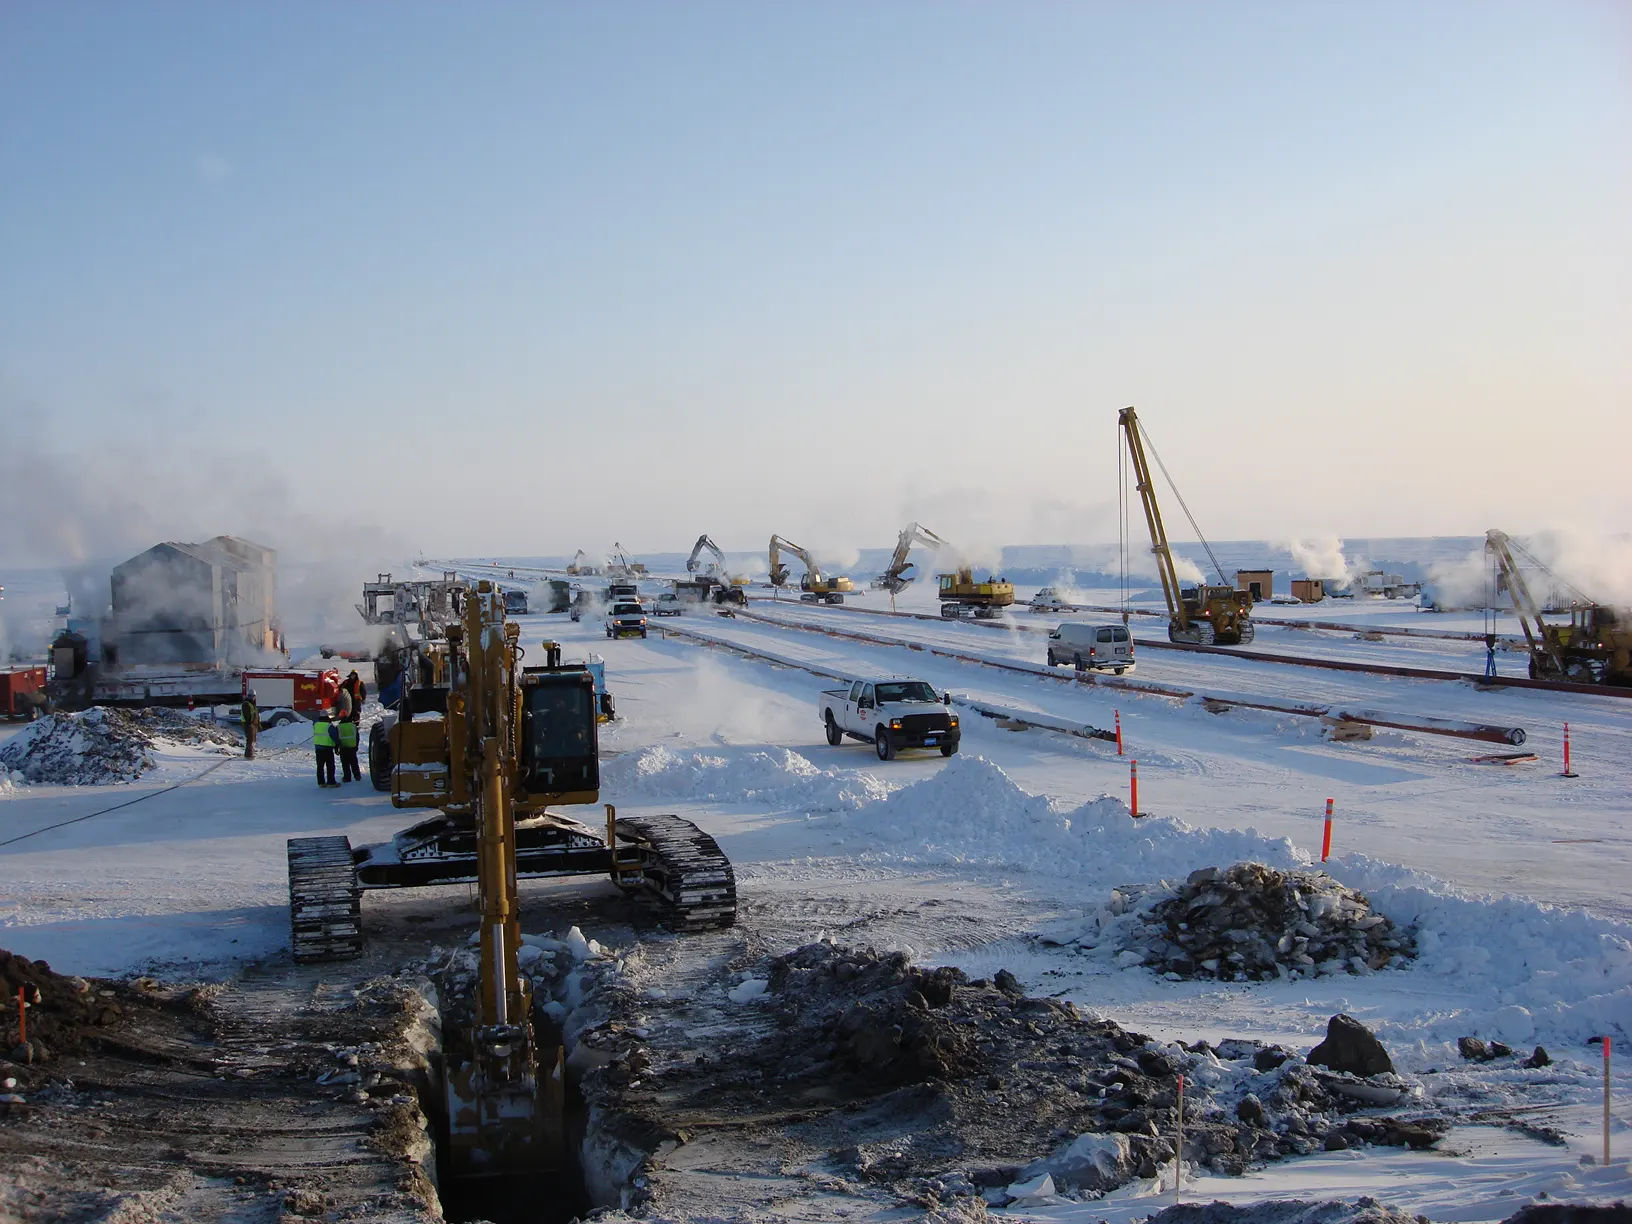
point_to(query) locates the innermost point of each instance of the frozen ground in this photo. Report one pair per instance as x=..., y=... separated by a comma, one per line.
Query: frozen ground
x=1004, y=857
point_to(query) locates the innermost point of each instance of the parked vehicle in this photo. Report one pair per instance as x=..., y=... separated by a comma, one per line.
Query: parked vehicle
x=22, y=692
x=1050, y=600
x=283, y=696
x=668, y=604
x=625, y=619
x=890, y=713
x=1089, y=646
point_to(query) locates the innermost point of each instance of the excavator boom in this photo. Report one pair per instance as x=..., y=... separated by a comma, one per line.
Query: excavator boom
x=895, y=577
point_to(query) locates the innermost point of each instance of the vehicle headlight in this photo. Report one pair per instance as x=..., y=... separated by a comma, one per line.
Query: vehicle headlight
x=954, y=720
x=895, y=724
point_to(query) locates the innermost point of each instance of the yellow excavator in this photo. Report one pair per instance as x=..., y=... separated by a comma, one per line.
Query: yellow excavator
x=711, y=580
x=1200, y=614
x=491, y=743
x=960, y=594
x=580, y=565
x=815, y=586
x=1594, y=648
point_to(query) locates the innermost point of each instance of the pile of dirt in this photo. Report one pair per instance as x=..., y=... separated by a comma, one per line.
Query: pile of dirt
x=938, y=1088
x=61, y=1011
x=1250, y=922
x=101, y=746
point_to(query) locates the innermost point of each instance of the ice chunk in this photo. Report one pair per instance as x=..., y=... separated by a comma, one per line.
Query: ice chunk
x=748, y=990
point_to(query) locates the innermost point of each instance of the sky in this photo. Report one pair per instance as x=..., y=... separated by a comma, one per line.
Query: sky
x=522, y=278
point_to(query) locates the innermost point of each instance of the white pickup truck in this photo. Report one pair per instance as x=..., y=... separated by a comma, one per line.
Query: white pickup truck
x=890, y=713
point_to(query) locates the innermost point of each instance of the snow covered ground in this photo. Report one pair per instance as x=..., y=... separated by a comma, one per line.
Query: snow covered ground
x=1513, y=878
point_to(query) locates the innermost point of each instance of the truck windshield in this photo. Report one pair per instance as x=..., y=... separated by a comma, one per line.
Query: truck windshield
x=626, y=610
x=905, y=690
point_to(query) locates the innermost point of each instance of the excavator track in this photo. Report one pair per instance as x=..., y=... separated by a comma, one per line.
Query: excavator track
x=685, y=868
x=325, y=903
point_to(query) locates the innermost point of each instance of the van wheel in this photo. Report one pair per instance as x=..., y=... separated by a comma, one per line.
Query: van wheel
x=1120, y=670
x=882, y=744
x=1080, y=665
x=835, y=737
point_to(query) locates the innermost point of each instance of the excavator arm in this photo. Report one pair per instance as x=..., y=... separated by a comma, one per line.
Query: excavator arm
x=895, y=578
x=779, y=572
x=1159, y=548
x=704, y=544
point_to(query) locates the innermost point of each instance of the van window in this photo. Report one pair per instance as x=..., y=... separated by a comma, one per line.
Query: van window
x=1104, y=635
x=1119, y=635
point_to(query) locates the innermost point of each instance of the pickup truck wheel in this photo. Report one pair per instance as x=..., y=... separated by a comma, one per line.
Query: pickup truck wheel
x=835, y=737
x=948, y=749
x=882, y=744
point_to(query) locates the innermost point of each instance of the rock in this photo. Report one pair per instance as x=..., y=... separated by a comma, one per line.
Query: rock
x=1008, y=983
x=303, y=1201
x=1351, y=1047
x=1472, y=1049
x=1498, y=1050
x=1335, y=1142
x=1089, y=1162
x=1250, y=1110
x=1270, y=1057
x=1538, y=1059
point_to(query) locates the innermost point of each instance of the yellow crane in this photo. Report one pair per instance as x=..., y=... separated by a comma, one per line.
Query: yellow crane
x=815, y=587
x=1594, y=648
x=1200, y=614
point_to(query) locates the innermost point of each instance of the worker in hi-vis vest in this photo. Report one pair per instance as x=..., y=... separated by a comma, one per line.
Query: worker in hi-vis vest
x=324, y=741
x=346, y=729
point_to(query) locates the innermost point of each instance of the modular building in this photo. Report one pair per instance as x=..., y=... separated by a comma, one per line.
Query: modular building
x=1260, y=584
x=1309, y=590
x=212, y=604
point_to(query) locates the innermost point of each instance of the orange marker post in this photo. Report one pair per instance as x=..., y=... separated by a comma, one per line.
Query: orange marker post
x=1326, y=840
x=1568, y=772
x=1133, y=784
x=1118, y=732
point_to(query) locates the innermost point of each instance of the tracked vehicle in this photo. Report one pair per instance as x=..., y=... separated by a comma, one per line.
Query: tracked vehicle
x=1202, y=614
x=490, y=743
x=549, y=750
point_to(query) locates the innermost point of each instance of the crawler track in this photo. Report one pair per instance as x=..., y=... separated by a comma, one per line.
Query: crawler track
x=686, y=869
x=325, y=904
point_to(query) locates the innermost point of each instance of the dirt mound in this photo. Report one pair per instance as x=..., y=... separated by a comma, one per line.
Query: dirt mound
x=940, y=1088
x=1250, y=922
x=62, y=1011
x=100, y=746
x=1287, y=1211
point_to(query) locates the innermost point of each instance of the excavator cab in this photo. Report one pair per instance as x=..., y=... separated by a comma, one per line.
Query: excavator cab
x=558, y=758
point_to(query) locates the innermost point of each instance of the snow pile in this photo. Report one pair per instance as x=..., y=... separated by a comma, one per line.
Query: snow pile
x=971, y=812
x=778, y=776
x=101, y=746
x=1544, y=972
x=1250, y=923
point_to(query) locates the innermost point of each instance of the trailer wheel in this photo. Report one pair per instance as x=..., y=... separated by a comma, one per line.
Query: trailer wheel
x=835, y=737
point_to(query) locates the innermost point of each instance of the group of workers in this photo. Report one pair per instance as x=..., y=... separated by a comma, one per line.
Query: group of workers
x=333, y=732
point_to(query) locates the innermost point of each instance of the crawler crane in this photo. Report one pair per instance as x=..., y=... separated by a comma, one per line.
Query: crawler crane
x=489, y=743
x=713, y=580
x=1594, y=648
x=1200, y=614
x=815, y=587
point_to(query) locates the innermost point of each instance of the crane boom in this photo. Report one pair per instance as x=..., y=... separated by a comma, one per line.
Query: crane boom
x=1159, y=547
x=1500, y=548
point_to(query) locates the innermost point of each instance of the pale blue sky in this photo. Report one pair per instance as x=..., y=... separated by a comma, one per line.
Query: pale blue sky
x=525, y=277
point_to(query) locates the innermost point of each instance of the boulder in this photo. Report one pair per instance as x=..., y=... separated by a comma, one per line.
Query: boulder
x=1351, y=1047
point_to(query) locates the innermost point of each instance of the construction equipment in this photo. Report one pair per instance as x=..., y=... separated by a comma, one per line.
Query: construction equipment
x=815, y=587
x=619, y=566
x=1201, y=614
x=1594, y=648
x=426, y=604
x=963, y=597
x=489, y=744
x=579, y=565
x=960, y=594
x=711, y=580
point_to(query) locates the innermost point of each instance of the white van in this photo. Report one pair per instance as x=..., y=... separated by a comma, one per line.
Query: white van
x=1087, y=645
